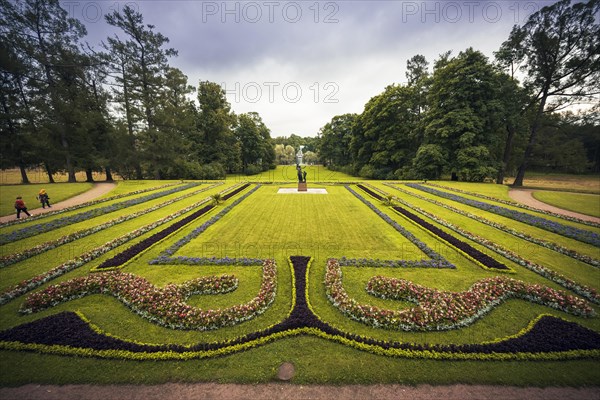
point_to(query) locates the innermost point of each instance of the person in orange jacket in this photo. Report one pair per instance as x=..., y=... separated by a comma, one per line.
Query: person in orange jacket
x=21, y=207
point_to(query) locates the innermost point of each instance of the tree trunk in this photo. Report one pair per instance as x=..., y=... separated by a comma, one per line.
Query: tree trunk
x=532, y=139
x=89, y=177
x=109, y=177
x=507, y=153
x=24, y=178
x=49, y=172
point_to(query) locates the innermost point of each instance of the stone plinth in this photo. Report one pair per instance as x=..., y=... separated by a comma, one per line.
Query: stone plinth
x=302, y=187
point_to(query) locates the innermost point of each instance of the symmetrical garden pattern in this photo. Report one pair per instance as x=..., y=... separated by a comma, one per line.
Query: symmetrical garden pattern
x=390, y=269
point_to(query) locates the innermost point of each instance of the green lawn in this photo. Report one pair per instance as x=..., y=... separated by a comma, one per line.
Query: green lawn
x=287, y=173
x=588, y=204
x=271, y=225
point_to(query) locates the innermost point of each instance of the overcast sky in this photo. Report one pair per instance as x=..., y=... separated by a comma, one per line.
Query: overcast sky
x=298, y=64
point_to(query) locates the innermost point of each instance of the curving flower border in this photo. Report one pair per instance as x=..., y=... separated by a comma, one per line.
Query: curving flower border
x=164, y=306
x=438, y=310
x=572, y=232
x=521, y=235
x=52, y=244
x=589, y=293
x=67, y=333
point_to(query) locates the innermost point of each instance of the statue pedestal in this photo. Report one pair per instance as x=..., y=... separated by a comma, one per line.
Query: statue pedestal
x=302, y=187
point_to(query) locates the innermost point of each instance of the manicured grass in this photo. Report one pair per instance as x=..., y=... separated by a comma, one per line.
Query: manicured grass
x=57, y=192
x=268, y=224
x=588, y=204
x=287, y=173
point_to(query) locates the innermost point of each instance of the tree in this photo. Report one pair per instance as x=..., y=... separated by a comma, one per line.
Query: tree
x=429, y=162
x=142, y=65
x=559, y=47
x=215, y=141
x=388, y=131
x=465, y=113
x=336, y=135
x=50, y=77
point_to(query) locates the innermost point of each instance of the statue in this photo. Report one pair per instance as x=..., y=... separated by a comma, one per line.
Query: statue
x=301, y=174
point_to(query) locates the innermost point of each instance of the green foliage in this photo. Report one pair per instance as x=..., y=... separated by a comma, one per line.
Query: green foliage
x=429, y=162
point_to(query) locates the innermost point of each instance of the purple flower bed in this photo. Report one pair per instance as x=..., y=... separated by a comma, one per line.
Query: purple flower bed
x=551, y=226
x=136, y=249
x=548, y=335
x=166, y=257
x=459, y=244
x=84, y=216
x=466, y=248
x=437, y=261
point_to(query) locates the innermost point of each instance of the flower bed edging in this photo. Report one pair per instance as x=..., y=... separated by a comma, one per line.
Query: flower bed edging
x=163, y=306
x=519, y=205
x=166, y=256
x=437, y=310
x=589, y=293
x=84, y=216
x=82, y=205
x=52, y=244
x=437, y=261
x=542, y=223
x=542, y=242
x=38, y=280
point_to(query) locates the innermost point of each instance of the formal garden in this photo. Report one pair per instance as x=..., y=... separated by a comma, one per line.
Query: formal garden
x=371, y=282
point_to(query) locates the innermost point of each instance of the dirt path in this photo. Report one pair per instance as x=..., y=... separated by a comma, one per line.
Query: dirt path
x=205, y=391
x=525, y=196
x=96, y=191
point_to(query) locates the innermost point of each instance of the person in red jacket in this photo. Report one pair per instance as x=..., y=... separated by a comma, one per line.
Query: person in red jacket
x=21, y=207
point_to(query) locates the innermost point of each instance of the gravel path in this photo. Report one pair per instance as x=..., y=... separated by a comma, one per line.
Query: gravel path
x=206, y=391
x=525, y=196
x=96, y=191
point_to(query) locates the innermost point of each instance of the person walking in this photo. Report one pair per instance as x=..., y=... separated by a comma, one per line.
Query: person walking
x=21, y=207
x=44, y=198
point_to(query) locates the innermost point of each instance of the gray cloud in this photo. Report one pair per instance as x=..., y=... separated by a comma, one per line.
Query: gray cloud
x=300, y=63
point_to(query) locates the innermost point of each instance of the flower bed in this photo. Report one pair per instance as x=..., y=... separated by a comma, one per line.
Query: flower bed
x=32, y=283
x=164, y=306
x=438, y=310
x=519, y=205
x=545, y=243
x=471, y=252
x=84, y=216
x=437, y=261
x=68, y=333
x=165, y=257
x=41, y=248
x=551, y=226
x=582, y=290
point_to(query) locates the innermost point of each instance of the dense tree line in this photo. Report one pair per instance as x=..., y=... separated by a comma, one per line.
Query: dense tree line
x=478, y=119
x=123, y=109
